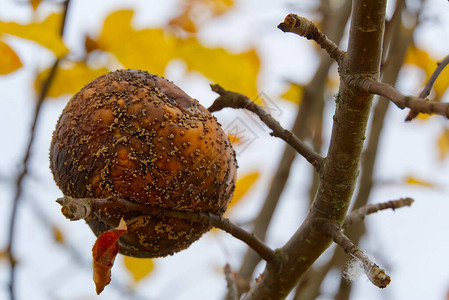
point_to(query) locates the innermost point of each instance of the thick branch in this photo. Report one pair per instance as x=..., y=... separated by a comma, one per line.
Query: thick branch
x=375, y=274
x=303, y=27
x=340, y=168
x=417, y=105
x=359, y=215
x=400, y=38
x=80, y=208
x=309, y=115
x=397, y=42
x=236, y=100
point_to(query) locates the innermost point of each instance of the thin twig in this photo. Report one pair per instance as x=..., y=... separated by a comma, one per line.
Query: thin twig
x=375, y=274
x=416, y=104
x=428, y=87
x=303, y=27
x=80, y=208
x=232, y=291
x=359, y=215
x=19, y=181
x=236, y=100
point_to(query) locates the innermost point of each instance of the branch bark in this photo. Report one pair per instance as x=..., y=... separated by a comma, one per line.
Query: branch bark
x=359, y=215
x=80, y=208
x=416, y=104
x=428, y=87
x=303, y=27
x=340, y=168
x=309, y=111
x=236, y=100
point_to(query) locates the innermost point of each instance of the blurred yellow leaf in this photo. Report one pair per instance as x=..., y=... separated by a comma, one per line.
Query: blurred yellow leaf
x=57, y=235
x=184, y=21
x=235, y=72
x=9, y=60
x=443, y=144
x=242, y=186
x=423, y=60
x=146, y=49
x=219, y=7
x=152, y=49
x=195, y=13
x=138, y=267
x=423, y=117
x=294, y=93
x=35, y=4
x=416, y=181
x=420, y=59
x=69, y=80
x=45, y=33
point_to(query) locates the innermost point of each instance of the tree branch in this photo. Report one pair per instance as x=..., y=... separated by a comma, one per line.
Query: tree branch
x=80, y=208
x=340, y=168
x=232, y=291
x=396, y=43
x=400, y=38
x=303, y=27
x=375, y=274
x=428, y=87
x=19, y=181
x=416, y=105
x=236, y=100
x=359, y=215
x=309, y=115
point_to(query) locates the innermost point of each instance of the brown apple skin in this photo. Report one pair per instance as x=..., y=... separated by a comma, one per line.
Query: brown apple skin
x=134, y=135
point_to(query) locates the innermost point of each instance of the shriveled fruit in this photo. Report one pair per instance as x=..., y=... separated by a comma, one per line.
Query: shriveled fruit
x=134, y=135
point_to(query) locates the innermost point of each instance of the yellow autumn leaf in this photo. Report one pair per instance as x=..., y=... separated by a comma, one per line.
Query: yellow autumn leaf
x=218, y=7
x=428, y=64
x=234, y=71
x=146, y=49
x=294, y=93
x=443, y=144
x=35, y=4
x=195, y=13
x=152, y=49
x=45, y=33
x=242, y=186
x=58, y=235
x=423, y=117
x=69, y=79
x=9, y=60
x=139, y=268
x=421, y=59
x=184, y=21
x=416, y=181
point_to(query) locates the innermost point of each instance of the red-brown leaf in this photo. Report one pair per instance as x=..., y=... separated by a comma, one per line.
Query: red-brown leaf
x=104, y=252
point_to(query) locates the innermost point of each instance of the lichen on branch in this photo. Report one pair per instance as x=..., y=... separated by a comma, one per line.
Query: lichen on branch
x=375, y=274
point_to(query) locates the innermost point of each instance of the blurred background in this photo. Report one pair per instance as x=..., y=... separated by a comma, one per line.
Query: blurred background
x=236, y=44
